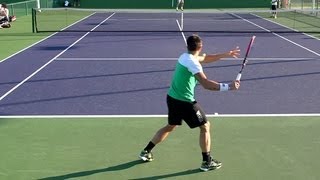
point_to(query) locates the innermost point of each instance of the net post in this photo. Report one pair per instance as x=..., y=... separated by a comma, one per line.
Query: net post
x=26, y=8
x=32, y=15
x=294, y=19
x=38, y=4
x=34, y=19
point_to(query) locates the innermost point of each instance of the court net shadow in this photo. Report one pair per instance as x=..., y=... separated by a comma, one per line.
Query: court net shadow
x=79, y=174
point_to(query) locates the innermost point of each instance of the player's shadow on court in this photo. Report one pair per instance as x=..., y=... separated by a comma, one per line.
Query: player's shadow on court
x=182, y=173
x=79, y=174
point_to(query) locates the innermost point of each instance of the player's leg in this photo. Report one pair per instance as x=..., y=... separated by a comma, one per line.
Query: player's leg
x=181, y=4
x=174, y=119
x=197, y=118
x=161, y=135
x=273, y=8
x=178, y=4
x=208, y=163
x=205, y=141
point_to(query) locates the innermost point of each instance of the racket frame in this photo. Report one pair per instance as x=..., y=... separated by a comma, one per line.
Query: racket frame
x=244, y=62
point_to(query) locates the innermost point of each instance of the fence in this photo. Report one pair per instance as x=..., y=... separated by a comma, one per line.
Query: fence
x=304, y=4
x=25, y=7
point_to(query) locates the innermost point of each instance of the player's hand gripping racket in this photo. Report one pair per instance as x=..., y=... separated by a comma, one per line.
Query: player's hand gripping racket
x=245, y=58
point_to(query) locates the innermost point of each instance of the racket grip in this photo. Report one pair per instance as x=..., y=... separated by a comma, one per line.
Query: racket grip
x=239, y=77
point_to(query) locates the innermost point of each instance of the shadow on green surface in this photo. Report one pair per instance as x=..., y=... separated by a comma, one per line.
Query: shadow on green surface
x=23, y=34
x=182, y=173
x=79, y=174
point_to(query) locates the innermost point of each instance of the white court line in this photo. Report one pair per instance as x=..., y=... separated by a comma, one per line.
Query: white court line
x=42, y=67
x=180, y=27
x=155, y=19
x=157, y=116
x=214, y=20
x=286, y=26
x=174, y=59
x=44, y=39
x=168, y=19
x=277, y=35
x=116, y=59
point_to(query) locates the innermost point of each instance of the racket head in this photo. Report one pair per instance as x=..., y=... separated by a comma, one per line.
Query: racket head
x=245, y=61
x=248, y=50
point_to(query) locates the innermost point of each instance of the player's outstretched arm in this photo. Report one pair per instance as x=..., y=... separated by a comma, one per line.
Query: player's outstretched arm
x=208, y=58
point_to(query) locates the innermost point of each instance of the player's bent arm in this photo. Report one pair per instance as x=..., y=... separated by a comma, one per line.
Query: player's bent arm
x=206, y=83
x=215, y=86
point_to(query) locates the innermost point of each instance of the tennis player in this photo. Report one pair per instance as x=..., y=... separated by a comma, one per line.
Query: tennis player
x=4, y=12
x=181, y=102
x=180, y=4
x=274, y=4
x=4, y=16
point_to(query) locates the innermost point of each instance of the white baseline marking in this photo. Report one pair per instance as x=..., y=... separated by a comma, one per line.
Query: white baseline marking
x=174, y=59
x=116, y=59
x=42, y=67
x=158, y=116
x=278, y=35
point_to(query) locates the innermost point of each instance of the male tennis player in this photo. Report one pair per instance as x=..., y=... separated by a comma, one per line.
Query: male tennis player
x=4, y=16
x=274, y=4
x=182, y=104
x=180, y=4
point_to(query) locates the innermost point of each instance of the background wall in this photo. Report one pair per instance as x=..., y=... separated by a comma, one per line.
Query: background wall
x=43, y=3
x=10, y=1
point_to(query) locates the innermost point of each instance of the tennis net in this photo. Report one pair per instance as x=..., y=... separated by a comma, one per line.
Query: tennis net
x=224, y=21
x=304, y=4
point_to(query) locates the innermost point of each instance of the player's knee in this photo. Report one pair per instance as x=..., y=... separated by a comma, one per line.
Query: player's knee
x=205, y=127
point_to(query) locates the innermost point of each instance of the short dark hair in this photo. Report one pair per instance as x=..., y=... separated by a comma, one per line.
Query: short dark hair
x=194, y=42
x=4, y=5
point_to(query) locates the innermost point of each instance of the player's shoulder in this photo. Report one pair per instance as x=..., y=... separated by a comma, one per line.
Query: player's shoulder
x=186, y=57
x=188, y=60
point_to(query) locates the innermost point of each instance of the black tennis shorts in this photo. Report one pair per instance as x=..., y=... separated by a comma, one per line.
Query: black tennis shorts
x=179, y=111
x=274, y=7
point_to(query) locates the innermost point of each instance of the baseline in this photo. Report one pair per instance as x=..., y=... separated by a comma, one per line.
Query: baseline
x=174, y=59
x=156, y=116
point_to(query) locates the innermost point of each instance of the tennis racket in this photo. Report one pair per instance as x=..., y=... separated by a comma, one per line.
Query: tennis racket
x=244, y=62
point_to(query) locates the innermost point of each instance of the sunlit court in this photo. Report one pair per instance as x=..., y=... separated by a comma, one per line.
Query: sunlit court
x=83, y=99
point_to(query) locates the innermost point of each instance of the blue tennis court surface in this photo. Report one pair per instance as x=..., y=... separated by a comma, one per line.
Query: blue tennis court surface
x=129, y=73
